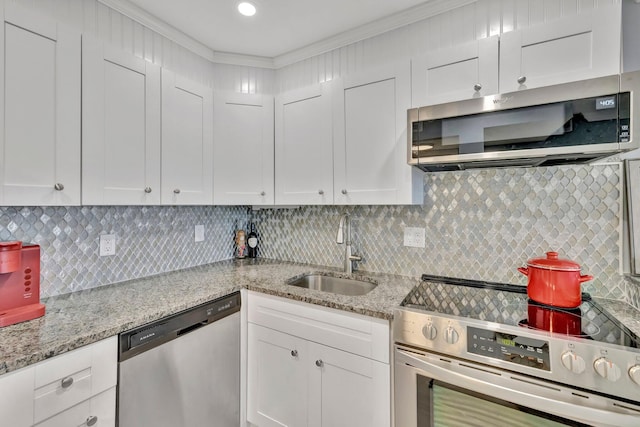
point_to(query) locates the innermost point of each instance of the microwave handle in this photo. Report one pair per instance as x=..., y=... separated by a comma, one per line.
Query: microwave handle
x=502, y=387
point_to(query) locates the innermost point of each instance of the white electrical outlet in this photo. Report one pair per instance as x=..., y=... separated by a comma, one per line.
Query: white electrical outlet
x=107, y=244
x=199, y=233
x=414, y=237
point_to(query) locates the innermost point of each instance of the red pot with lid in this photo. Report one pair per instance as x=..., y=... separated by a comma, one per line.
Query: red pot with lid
x=10, y=256
x=554, y=281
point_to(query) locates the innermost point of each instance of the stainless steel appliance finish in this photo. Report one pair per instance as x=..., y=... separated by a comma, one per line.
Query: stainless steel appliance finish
x=336, y=285
x=526, y=128
x=183, y=370
x=473, y=356
x=633, y=204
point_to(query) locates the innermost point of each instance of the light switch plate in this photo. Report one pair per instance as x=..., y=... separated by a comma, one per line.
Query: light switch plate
x=199, y=233
x=107, y=244
x=414, y=237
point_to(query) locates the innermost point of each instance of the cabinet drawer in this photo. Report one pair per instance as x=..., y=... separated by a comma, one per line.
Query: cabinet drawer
x=99, y=411
x=357, y=334
x=74, y=377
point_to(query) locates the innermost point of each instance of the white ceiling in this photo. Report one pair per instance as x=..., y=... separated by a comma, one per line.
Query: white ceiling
x=279, y=26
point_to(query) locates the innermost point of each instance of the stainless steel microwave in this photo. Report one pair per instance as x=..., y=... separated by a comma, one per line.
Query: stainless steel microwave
x=566, y=123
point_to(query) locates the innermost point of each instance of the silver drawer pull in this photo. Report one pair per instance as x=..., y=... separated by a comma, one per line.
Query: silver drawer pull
x=522, y=79
x=176, y=191
x=344, y=191
x=294, y=353
x=321, y=192
x=477, y=87
x=147, y=190
x=263, y=193
x=92, y=420
x=319, y=363
x=58, y=187
x=66, y=382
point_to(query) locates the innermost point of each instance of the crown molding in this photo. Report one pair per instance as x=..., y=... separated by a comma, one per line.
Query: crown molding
x=417, y=13
x=400, y=19
x=146, y=19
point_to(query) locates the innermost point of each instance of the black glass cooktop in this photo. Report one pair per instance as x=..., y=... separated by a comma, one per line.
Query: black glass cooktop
x=508, y=304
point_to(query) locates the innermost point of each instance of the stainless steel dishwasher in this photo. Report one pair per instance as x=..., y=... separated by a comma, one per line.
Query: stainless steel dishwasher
x=183, y=370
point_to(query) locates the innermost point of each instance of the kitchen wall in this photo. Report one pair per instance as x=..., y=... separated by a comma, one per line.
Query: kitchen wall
x=94, y=18
x=480, y=224
x=478, y=19
x=149, y=240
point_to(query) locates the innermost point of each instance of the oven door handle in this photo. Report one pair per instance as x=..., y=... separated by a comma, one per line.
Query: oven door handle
x=551, y=398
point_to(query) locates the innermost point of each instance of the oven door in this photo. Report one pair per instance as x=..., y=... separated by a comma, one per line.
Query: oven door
x=435, y=390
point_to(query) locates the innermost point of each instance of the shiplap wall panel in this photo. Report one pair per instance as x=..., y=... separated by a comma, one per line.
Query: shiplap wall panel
x=93, y=17
x=483, y=18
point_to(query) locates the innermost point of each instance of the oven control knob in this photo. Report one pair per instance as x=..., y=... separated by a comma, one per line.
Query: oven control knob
x=451, y=335
x=573, y=362
x=634, y=373
x=429, y=331
x=607, y=369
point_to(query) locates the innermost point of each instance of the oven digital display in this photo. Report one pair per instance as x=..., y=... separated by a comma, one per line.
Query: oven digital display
x=509, y=348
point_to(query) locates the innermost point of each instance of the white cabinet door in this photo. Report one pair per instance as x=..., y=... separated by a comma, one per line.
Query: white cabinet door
x=16, y=403
x=276, y=378
x=187, y=141
x=120, y=127
x=370, y=139
x=460, y=72
x=40, y=112
x=570, y=49
x=243, y=149
x=347, y=390
x=304, y=147
x=99, y=411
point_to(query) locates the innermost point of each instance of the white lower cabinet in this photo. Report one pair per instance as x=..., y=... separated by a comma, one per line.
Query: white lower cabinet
x=297, y=375
x=73, y=389
x=99, y=411
x=277, y=375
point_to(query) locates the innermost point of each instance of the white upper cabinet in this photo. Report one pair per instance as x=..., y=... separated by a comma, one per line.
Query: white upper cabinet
x=452, y=74
x=581, y=47
x=120, y=127
x=370, y=139
x=187, y=142
x=243, y=172
x=304, y=147
x=40, y=112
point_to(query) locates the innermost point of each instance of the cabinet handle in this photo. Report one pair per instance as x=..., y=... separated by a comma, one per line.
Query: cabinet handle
x=294, y=353
x=477, y=87
x=319, y=363
x=58, y=187
x=522, y=79
x=176, y=191
x=92, y=420
x=263, y=194
x=147, y=190
x=344, y=191
x=321, y=192
x=66, y=382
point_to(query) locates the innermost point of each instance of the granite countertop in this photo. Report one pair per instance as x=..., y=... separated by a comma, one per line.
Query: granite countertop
x=84, y=317
x=80, y=318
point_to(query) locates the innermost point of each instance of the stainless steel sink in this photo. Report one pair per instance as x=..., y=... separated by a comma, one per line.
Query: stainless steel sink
x=334, y=285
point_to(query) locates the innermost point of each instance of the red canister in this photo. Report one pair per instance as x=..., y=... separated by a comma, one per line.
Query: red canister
x=554, y=281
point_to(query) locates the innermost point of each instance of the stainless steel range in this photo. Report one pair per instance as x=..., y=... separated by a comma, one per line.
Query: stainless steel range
x=475, y=353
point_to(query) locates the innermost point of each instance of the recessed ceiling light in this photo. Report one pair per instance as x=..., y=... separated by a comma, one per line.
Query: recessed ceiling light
x=246, y=8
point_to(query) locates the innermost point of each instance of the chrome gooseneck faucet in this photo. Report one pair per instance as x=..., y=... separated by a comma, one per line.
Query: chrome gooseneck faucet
x=345, y=228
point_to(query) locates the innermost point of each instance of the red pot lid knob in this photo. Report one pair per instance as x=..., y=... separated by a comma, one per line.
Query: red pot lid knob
x=10, y=246
x=552, y=262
